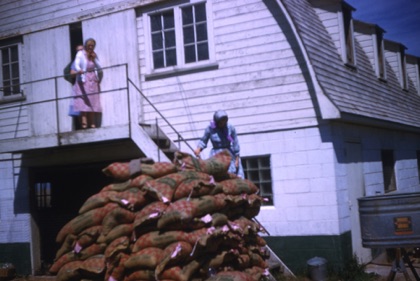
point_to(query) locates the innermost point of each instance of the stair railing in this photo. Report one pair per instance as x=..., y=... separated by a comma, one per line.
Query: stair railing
x=180, y=138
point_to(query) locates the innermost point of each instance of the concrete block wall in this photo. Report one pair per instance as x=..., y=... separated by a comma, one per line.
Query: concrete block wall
x=305, y=201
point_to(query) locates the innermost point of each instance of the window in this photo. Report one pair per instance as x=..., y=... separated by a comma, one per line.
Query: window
x=10, y=68
x=388, y=164
x=43, y=195
x=179, y=36
x=348, y=46
x=380, y=58
x=258, y=170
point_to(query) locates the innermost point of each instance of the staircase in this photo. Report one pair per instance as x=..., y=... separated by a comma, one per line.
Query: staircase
x=160, y=139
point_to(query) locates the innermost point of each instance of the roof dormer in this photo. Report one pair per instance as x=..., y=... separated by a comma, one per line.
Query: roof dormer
x=395, y=56
x=413, y=71
x=370, y=38
x=336, y=15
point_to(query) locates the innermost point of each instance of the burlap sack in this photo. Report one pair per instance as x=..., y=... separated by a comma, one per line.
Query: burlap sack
x=115, y=269
x=125, y=229
x=150, y=213
x=174, y=254
x=147, y=258
x=238, y=186
x=183, y=211
x=118, y=245
x=215, y=166
x=133, y=198
x=84, y=221
x=96, y=201
x=231, y=276
x=67, y=245
x=159, y=239
x=93, y=266
x=116, y=217
x=141, y=275
x=87, y=237
x=92, y=250
x=70, y=271
x=179, y=273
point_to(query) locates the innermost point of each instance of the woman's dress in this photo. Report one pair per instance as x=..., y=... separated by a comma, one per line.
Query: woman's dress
x=86, y=94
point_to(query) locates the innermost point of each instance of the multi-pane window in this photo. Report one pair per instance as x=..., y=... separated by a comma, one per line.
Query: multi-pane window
x=10, y=71
x=179, y=36
x=194, y=27
x=43, y=195
x=258, y=170
x=388, y=164
x=163, y=39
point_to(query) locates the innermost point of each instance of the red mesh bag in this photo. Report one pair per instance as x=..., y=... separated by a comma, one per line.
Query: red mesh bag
x=67, y=245
x=70, y=271
x=147, y=258
x=179, y=273
x=231, y=276
x=238, y=186
x=115, y=270
x=215, y=166
x=85, y=220
x=132, y=199
x=118, y=245
x=87, y=237
x=141, y=275
x=193, y=188
x=93, y=266
x=116, y=217
x=96, y=201
x=149, y=213
x=116, y=232
x=159, y=239
x=174, y=254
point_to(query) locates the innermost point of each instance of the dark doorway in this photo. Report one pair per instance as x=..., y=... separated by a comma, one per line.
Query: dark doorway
x=57, y=194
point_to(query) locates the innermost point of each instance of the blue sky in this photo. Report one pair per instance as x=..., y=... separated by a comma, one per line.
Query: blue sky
x=399, y=18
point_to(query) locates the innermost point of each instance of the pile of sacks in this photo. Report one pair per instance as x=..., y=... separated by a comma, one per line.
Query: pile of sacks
x=186, y=220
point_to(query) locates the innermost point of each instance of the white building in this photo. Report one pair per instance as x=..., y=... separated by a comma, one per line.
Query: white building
x=327, y=111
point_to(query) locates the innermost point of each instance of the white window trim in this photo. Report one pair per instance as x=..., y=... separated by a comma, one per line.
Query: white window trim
x=402, y=63
x=12, y=98
x=377, y=58
x=343, y=42
x=181, y=66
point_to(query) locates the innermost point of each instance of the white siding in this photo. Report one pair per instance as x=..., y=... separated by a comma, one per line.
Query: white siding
x=258, y=80
x=42, y=60
x=366, y=42
x=22, y=16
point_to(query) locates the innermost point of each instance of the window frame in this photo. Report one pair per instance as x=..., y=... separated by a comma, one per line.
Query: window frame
x=388, y=169
x=267, y=195
x=181, y=66
x=9, y=43
x=348, y=45
x=402, y=61
x=380, y=62
x=43, y=195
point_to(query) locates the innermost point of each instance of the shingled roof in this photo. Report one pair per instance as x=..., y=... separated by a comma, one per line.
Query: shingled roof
x=356, y=92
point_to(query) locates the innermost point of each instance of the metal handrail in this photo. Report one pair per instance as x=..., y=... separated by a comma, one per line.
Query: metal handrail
x=21, y=103
x=180, y=138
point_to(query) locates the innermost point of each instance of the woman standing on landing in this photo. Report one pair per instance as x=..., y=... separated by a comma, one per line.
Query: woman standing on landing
x=87, y=87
